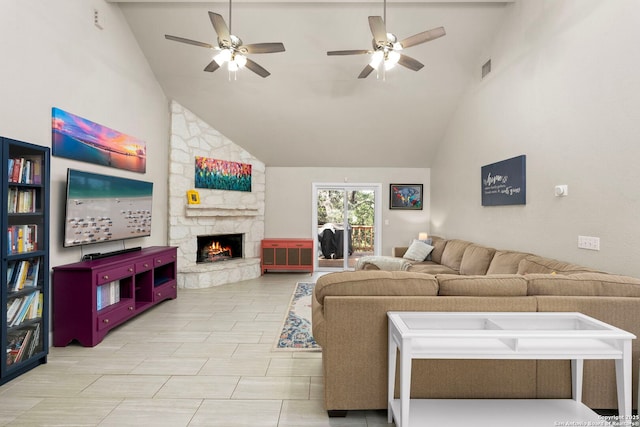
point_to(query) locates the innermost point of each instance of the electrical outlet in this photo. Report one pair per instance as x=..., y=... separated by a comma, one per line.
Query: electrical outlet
x=588, y=242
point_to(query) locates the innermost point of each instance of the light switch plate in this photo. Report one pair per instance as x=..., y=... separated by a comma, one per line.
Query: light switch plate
x=589, y=242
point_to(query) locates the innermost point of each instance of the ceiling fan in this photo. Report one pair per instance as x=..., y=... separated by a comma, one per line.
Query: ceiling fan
x=232, y=50
x=386, y=48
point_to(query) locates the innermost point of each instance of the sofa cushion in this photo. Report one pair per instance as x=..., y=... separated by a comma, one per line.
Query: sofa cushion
x=452, y=254
x=399, y=251
x=438, y=248
x=583, y=284
x=537, y=264
x=482, y=286
x=418, y=251
x=389, y=263
x=505, y=262
x=375, y=283
x=476, y=259
x=430, y=267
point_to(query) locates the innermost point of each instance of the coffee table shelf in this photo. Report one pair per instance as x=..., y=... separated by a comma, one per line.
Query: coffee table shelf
x=499, y=413
x=524, y=335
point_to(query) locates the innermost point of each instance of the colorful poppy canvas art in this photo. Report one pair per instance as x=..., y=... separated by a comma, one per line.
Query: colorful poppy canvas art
x=222, y=175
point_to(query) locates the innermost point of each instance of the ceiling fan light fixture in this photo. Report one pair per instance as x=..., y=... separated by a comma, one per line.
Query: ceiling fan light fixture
x=391, y=59
x=387, y=48
x=233, y=66
x=376, y=58
x=240, y=60
x=223, y=56
x=231, y=49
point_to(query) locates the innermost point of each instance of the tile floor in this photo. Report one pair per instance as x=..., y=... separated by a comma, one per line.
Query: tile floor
x=204, y=359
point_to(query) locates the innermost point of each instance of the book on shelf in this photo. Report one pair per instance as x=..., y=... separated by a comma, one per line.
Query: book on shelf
x=26, y=309
x=19, y=275
x=22, y=343
x=35, y=340
x=32, y=311
x=12, y=309
x=22, y=238
x=108, y=294
x=11, y=268
x=31, y=278
x=25, y=170
x=40, y=305
x=21, y=200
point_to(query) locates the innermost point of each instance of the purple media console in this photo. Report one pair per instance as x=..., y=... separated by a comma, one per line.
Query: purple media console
x=92, y=297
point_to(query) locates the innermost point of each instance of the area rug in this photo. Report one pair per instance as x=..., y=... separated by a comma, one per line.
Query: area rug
x=296, y=332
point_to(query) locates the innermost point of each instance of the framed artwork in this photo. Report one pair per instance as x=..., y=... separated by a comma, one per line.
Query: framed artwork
x=222, y=175
x=193, y=197
x=80, y=139
x=405, y=196
x=504, y=182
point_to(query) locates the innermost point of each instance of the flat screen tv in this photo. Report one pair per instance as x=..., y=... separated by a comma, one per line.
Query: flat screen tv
x=102, y=208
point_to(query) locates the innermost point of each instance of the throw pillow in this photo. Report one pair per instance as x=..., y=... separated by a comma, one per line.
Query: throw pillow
x=418, y=251
x=429, y=242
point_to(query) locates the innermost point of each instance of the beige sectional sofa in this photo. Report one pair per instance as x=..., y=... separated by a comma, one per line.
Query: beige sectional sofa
x=350, y=323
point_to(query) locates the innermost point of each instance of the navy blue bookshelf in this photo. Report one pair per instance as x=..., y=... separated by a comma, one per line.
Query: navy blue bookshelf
x=24, y=267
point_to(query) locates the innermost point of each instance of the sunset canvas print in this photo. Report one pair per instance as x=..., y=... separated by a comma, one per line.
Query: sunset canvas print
x=80, y=139
x=222, y=175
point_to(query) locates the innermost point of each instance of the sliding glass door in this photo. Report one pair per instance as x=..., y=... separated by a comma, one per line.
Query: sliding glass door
x=345, y=224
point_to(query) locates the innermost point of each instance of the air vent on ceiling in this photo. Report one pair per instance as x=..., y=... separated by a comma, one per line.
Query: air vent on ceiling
x=486, y=68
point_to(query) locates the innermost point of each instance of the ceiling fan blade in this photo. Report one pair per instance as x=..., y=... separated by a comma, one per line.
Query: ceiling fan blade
x=366, y=71
x=410, y=63
x=188, y=41
x=253, y=66
x=212, y=66
x=348, y=52
x=262, y=48
x=221, y=28
x=378, y=30
x=423, y=37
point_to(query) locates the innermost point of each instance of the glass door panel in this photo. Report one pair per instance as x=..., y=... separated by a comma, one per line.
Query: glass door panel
x=345, y=224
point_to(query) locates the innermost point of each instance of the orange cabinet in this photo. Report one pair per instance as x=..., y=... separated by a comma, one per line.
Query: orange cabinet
x=287, y=254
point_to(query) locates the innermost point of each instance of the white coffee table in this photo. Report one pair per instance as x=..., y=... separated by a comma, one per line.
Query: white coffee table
x=522, y=335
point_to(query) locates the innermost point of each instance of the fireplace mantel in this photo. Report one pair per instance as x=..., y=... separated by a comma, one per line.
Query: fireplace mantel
x=208, y=211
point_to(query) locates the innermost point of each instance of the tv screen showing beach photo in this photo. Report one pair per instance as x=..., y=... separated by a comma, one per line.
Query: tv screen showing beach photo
x=102, y=208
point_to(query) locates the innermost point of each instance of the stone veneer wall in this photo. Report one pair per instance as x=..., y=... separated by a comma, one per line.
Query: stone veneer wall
x=219, y=211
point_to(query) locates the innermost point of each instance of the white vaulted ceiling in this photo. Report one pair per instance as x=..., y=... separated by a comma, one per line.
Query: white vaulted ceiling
x=313, y=110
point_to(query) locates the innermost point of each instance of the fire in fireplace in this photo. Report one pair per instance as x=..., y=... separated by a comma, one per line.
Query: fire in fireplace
x=220, y=247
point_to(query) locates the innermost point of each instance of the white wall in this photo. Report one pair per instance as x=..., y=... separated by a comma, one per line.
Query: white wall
x=288, y=207
x=53, y=56
x=565, y=92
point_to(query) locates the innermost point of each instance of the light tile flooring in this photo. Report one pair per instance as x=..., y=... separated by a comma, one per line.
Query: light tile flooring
x=204, y=359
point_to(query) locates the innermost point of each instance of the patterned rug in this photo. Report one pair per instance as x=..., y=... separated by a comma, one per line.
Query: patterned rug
x=296, y=331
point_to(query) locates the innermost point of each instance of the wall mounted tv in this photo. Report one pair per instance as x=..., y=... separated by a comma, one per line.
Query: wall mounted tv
x=102, y=208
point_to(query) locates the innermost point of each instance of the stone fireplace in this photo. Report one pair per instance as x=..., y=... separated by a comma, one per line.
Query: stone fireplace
x=220, y=212
x=219, y=247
